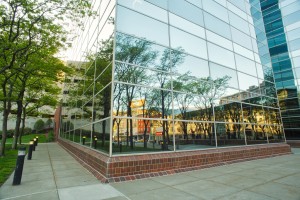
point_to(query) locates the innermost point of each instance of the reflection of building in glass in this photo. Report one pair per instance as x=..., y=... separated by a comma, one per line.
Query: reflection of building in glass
x=282, y=24
x=166, y=76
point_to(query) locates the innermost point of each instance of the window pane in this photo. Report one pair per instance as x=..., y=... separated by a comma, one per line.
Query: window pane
x=227, y=74
x=186, y=25
x=245, y=65
x=191, y=44
x=220, y=55
x=141, y=26
x=216, y=25
x=180, y=8
x=146, y=8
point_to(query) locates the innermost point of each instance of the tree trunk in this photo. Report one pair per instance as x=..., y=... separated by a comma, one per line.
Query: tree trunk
x=163, y=116
x=103, y=132
x=4, y=132
x=6, y=112
x=23, y=125
x=118, y=132
x=18, y=123
x=145, y=133
x=127, y=132
x=129, y=114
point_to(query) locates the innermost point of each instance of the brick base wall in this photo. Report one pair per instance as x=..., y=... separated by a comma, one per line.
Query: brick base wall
x=122, y=168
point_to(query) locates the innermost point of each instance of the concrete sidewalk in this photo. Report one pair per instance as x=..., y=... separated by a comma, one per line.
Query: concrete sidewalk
x=54, y=174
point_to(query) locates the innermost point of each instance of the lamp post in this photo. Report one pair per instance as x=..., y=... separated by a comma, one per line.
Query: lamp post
x=95, y=143
x=83, y=140
x=29, y=156
x=37, y=140
x=19, y=165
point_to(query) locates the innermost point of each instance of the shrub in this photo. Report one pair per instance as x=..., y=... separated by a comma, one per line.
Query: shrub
x=49, y=122
x=27, y=131
x=50, y=137
x=10, y=133
x=39, y=125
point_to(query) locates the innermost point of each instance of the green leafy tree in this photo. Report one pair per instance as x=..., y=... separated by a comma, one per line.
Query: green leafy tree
x=39, y=125
x=30, y=29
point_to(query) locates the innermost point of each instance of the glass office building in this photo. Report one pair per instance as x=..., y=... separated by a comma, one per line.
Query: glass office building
x=282, y=25
x=177, y=75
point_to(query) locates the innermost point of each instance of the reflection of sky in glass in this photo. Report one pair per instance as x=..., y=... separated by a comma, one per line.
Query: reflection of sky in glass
x=191, y=44
x=95, y=30
x=197, y=67
x=142, y=26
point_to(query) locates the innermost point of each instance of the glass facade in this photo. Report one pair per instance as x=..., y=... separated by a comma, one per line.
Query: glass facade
x=159, y=75
x=282, y=24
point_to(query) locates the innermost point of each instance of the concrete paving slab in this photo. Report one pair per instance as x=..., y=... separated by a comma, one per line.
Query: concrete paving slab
x=256, y=173
x=163, y=194
x=79, y=180
x=206, y=189
x=37, y=176
x=277, y=191
x=138, y=186
x=244, y=183
x=90, y=192
x=292, y=180
x=246, y=195
x=70, y=172
x=27, y=188
x=226, y=178
x=228, y=169
x=175, y=179
x=204, y=174
x=49, y=195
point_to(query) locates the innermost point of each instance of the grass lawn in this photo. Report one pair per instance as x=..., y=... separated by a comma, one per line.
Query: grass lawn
x=27, y=138
x=8, y=162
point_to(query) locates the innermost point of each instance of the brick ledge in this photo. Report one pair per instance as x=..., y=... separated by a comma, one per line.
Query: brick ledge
x=132, y=167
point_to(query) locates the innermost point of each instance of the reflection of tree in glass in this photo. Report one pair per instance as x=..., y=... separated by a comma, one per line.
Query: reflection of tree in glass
x=132, y=52
x=186, y=84
x=168, y=62
x=103, y=70
x=148, y=111
x=208, y=90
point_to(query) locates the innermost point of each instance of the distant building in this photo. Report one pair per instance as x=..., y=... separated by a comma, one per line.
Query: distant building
x=281, y=20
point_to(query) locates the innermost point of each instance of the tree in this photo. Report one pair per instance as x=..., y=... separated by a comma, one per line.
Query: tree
x=29, y=28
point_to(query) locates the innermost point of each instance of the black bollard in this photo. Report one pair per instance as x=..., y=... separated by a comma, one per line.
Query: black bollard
x=34, y=142
x=33, y=146
x=19, y=166
x=29, y=156
x=95, y=143
x=121, y=147
x=83, y=140
x=37, y=140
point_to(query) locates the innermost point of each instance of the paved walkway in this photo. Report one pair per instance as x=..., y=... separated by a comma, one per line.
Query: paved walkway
x=54, y=174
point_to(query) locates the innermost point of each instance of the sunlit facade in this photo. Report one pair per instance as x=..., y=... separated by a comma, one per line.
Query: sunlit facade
x=172, y=75
x=282, y=25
